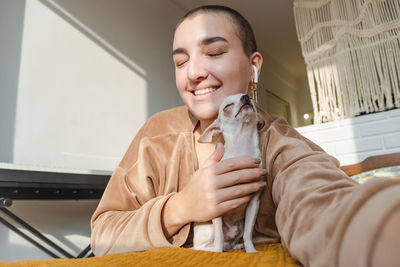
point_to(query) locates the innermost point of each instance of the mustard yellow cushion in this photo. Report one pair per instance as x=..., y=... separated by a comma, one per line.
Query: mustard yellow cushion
x=268, y=255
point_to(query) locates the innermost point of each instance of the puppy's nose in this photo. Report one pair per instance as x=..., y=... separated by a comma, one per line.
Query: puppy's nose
x=245, y=99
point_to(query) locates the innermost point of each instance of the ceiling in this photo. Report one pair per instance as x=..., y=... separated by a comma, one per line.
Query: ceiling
x=274, y=27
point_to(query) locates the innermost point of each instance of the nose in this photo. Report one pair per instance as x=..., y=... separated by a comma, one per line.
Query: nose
x=196, y=70
x=245, y=99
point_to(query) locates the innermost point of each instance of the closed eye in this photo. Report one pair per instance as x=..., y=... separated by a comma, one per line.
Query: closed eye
x=228, y=110
x=180, y=63
x=215, y=54
x=227, y=106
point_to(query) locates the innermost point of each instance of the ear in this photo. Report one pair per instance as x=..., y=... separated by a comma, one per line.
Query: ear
x=260, y=122
x=256, y=60
x=210, y=132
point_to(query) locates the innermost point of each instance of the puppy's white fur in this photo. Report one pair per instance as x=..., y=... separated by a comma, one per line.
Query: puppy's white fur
x=239, y=122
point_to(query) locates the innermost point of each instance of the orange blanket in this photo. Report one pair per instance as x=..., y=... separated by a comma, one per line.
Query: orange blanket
x=268, y=255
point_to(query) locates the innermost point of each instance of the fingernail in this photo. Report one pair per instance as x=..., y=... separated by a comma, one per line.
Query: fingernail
x=264, y=172
x=257, y=161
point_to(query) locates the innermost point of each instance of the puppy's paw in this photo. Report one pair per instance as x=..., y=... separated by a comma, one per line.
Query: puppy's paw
x=217, y=249
x=250, y=248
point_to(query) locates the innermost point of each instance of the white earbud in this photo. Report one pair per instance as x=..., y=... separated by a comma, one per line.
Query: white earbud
x=255, y=74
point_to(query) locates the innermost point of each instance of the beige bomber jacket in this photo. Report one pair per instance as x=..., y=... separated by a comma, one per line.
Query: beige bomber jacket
x=309, y=204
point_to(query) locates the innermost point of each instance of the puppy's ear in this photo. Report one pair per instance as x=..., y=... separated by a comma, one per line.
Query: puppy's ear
x=209, y=133
x=260, y=122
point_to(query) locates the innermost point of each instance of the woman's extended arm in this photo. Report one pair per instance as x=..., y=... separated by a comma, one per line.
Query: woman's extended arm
x=325, y=218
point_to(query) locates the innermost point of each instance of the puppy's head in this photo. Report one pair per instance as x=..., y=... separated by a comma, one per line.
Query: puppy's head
x=235, y=113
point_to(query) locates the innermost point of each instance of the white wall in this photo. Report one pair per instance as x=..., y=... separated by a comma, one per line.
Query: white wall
x=352, y=140
x=89, y=75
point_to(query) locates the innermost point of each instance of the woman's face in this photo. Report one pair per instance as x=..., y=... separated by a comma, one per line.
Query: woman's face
x=210, y=63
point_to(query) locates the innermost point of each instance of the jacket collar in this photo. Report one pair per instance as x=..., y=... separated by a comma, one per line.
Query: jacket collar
x=192, y=122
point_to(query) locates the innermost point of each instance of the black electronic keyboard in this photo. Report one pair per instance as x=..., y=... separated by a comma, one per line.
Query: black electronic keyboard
x=19, y=182
x=37, y=183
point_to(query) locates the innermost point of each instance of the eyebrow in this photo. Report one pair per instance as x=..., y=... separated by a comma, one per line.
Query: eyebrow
x=211, y=40
x=203, y=42
x=179, y=51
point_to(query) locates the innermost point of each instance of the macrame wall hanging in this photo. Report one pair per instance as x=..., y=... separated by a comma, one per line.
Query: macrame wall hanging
x=352, y=52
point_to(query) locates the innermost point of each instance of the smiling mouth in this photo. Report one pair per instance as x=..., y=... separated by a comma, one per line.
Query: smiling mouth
x=242, y=107
x=205, y=91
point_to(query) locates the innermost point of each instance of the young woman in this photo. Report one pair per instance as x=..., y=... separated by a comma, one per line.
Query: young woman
x=167, y=180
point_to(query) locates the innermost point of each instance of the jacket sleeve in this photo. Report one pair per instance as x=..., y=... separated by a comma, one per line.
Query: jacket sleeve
x=128, y=217
x=323, y=216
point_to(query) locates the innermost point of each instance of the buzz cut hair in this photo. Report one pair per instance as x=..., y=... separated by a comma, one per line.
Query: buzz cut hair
x=242, y=27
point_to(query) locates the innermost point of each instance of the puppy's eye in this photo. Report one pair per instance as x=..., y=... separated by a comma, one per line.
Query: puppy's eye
x=228, y=106
x=228, y=110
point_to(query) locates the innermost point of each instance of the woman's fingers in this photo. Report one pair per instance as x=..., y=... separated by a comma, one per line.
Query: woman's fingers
x=239, y=191
x=233, y=164
x=240, y=177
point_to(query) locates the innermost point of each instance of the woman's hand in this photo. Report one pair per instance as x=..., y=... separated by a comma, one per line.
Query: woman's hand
x=213, y=190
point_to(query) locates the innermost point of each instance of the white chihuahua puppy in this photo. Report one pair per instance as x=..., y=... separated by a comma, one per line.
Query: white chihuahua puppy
x=239, y=123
